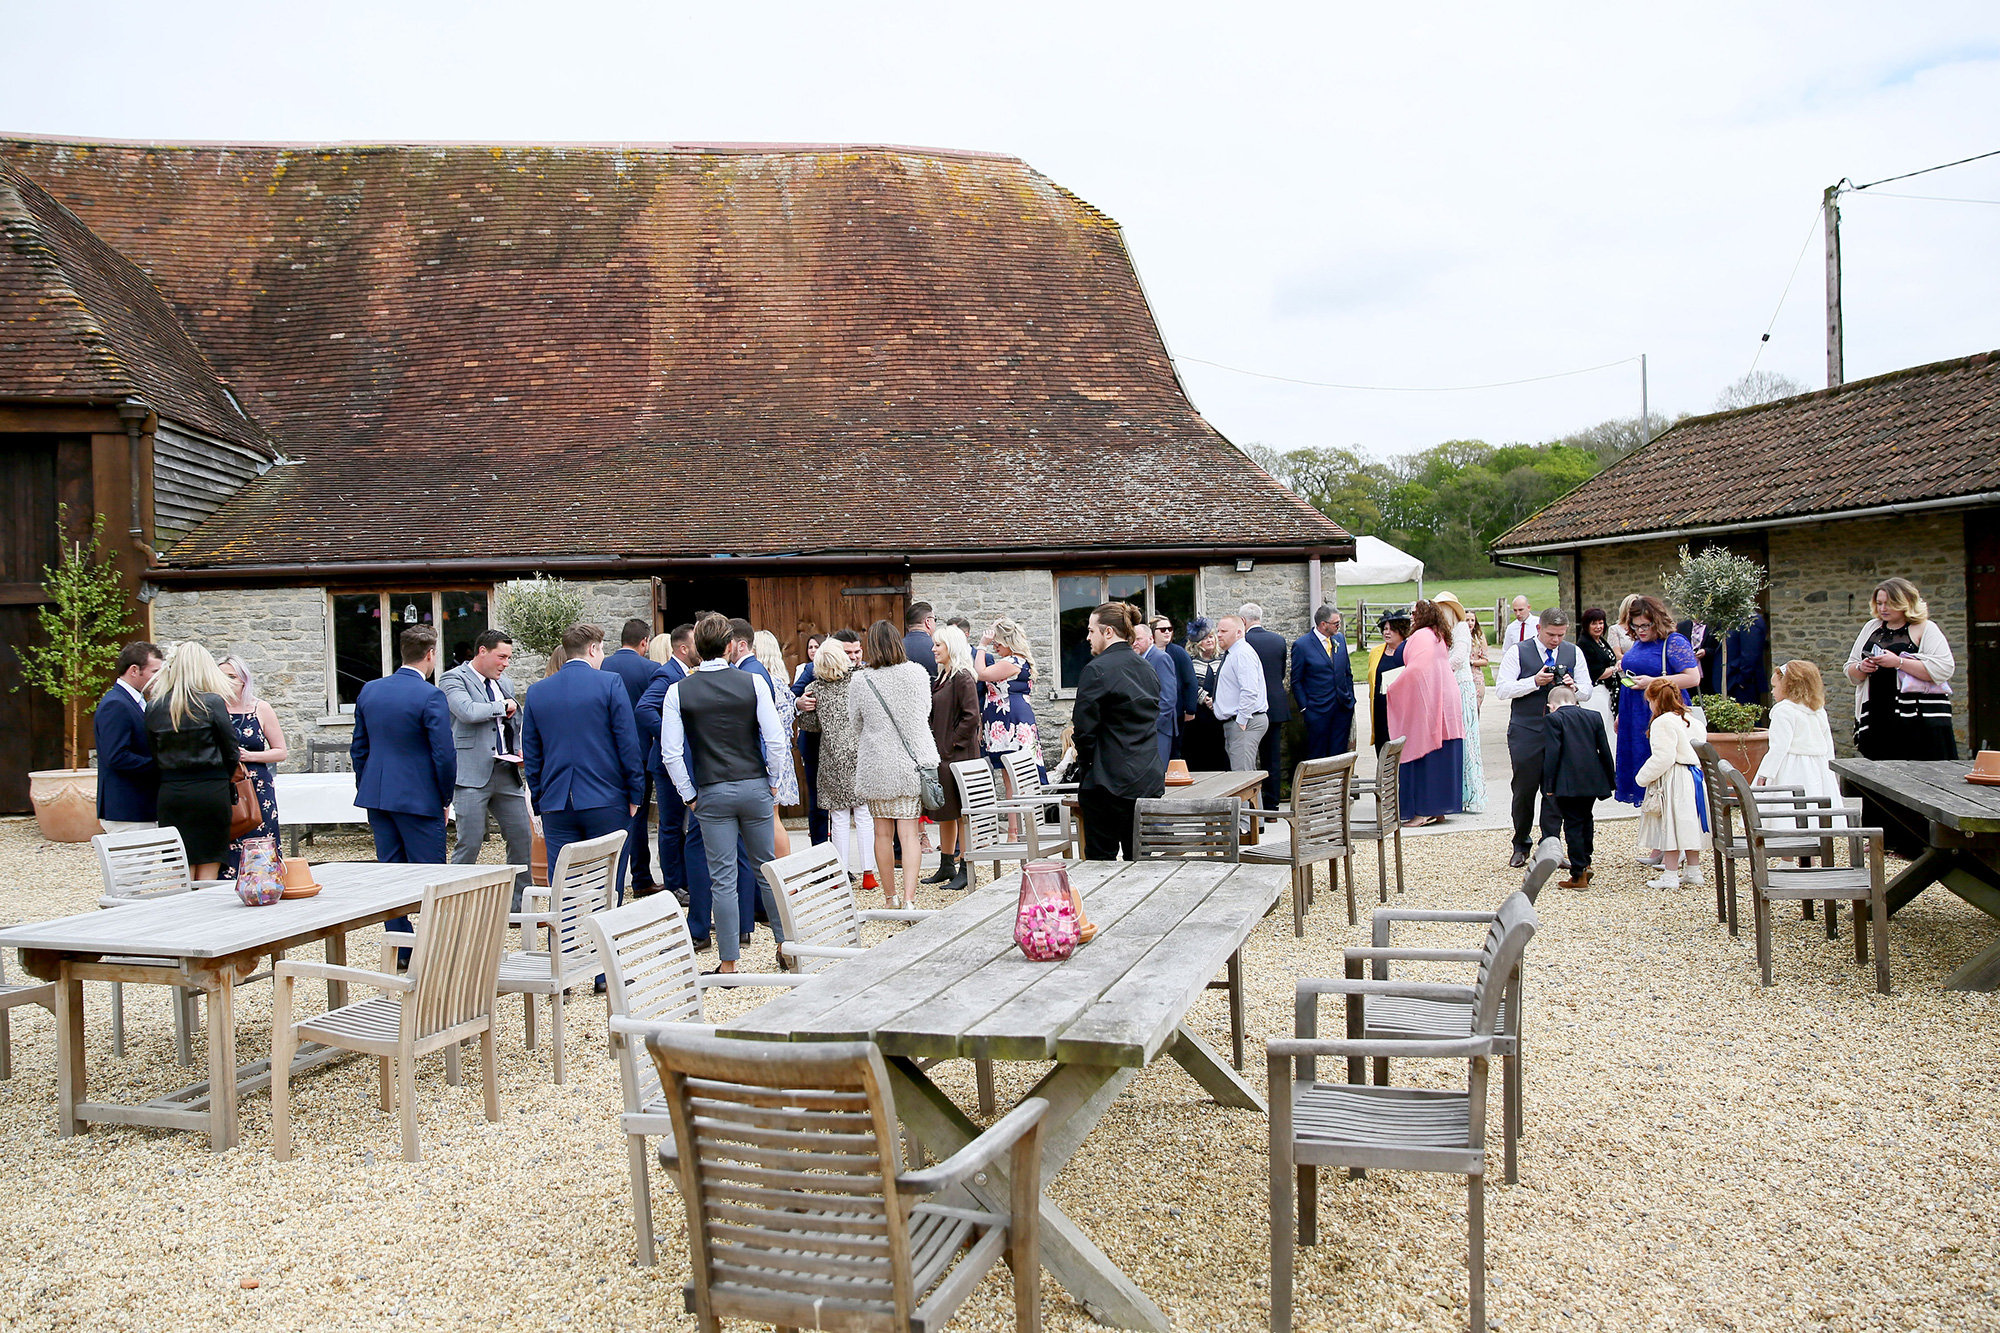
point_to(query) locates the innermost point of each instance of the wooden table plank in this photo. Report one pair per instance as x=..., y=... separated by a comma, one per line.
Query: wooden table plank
x=1934, y=788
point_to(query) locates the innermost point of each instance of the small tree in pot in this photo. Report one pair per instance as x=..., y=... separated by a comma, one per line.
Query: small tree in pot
x=84, y=620
x=1720, y=590
x=536, y=611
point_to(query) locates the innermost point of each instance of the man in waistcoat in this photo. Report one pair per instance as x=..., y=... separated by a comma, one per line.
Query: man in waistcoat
x=1526, y=673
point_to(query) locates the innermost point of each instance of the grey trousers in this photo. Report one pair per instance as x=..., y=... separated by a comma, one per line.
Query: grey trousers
x=506, y=799
x=1241, y=743
x=727, y=811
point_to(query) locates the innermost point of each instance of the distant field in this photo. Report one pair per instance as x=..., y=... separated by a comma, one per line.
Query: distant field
x=1477, y=594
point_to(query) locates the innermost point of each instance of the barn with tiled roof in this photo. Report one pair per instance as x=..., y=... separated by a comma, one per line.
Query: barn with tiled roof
x=362, y=383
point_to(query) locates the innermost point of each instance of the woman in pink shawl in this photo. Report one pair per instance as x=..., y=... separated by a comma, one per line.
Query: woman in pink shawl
x=1424, y=709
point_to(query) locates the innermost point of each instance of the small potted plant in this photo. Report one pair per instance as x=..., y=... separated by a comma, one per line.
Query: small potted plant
x=83, y=622
x=1733, y=731
x=536, y=611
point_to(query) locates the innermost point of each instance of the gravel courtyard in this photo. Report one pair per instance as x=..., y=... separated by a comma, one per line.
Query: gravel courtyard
x=1700, y=1153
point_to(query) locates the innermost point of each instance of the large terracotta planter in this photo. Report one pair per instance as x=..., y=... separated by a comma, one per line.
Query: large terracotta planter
x=1744, y=749
x=65, y=801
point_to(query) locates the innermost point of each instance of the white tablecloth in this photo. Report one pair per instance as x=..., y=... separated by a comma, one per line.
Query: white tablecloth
x=317, y=798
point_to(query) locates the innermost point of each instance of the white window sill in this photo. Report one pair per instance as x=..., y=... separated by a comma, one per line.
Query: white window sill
x=337, y=720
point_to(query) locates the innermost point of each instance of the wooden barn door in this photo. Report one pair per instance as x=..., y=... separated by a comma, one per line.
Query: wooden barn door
x=795, y=608
x=37, y=472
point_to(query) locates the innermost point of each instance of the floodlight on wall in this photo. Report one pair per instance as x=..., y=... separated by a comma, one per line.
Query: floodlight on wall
x=1245, y=566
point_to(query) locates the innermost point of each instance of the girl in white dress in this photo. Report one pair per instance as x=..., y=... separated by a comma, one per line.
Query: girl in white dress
x=1670, y=820
x=1801, y=748
x=1472, y=780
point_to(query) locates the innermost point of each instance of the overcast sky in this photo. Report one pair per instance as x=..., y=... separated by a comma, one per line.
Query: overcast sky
x=1436, y=195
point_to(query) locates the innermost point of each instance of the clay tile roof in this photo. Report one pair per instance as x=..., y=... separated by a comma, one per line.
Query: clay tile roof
x=476, y=351
x=79, y=322
x=1926, y=433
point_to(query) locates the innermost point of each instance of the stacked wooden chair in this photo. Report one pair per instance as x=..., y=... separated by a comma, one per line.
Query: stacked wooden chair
x=1315, y=1124
x=139, y=866
x=1023, y=769
x=13, y=997
x=1319, y=820
x=1855, y=882
x=1391, y=1018
x=580, y=886
x=651, y=977
x=1197, y=830
x=799, y=1211
x=1788, y=836
x=1387, y=826
x=447, y=996
x=1000, y=829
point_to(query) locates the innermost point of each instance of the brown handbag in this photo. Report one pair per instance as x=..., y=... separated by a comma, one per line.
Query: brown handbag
x=246, y=816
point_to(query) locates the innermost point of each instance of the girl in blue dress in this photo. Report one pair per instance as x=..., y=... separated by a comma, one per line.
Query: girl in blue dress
x=1656, y=652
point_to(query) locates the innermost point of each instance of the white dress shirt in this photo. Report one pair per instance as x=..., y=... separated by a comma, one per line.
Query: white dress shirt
x=1509, y=683
x=137, y=697
x=1519, y=631
x=673, y=736
x=1239, y=690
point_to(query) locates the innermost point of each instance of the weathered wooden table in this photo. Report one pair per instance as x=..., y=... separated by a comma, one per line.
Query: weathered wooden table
x=1208, y=785
x=1961, y=823
x=215, y=942
x=956, y=985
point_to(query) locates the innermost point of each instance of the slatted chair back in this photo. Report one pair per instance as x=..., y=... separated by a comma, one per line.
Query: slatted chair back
x=579, y=887
x=793, y=1214
x=1389, y=786
x=455, y=964
x=978, y=799
x=1024, y=777
x=141, y=864
x=1547, y=858
x=1193, y=830
x=1500, y=965
x=815, y=901
x=651, y=976
x=328, y=757
x=1320, y=806
x=1722, y=802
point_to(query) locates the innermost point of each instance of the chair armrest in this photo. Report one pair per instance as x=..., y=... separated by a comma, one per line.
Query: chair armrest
x=792, y=950
x=330, y=972
x=627, y=1026
x=1061, y=788
x=889, y=914
x=727, y=979
x=1419, y=914
x=1463, y=1048
x=1408, y=990
x=1262, y=813
x=1413, y=955
x=531, y=918
x=981, y=1152
x=1020, y=805
x=1836, y=831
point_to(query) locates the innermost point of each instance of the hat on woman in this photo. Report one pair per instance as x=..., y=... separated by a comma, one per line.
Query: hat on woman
x=1451, y=599
x=1392, y=615
x=1199, y=628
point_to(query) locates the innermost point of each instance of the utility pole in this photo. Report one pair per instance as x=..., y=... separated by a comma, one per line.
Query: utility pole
x=1645, y=412
x=1830, y=207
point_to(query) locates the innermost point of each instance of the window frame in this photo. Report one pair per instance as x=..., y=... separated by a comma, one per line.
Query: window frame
x=1103, y=575
x=336, y=711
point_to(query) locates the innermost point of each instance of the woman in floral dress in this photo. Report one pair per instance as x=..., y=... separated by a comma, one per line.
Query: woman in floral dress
x=1006, y=710
x=263, y=742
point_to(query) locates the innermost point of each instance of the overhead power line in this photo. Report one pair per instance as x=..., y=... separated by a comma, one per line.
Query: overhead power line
x=1404, y=388
x=1926, y=171
x=1934, y=198
x=1765, y=341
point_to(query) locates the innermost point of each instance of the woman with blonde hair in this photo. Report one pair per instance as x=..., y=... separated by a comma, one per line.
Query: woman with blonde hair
x=1671, y=821
x=764, y=645
x=1007, y=711
x=1901, y=668
x=1454, y=629
x=263, y=746
x=197, y=751
x=823, y=708
x=955, y=729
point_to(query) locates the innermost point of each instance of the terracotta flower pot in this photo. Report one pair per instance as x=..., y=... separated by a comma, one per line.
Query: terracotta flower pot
x=65, y=801
x=1744, y=749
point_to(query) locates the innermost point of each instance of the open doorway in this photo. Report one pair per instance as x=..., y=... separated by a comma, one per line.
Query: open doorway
x=679, y=601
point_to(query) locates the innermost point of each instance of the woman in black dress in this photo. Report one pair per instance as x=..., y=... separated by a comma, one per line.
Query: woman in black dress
x=263, y=748
x=196, y=749
x=1201, y=746
x=1395, y=627
x=1901, y=668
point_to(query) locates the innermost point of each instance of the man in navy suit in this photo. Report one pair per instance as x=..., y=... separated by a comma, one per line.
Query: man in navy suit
x=1269, y=646
x=1323, y=684
x=1189, y=692
x=128, y=782
x=673, y=818
x=631, y=665
x=581, y=749
x=1149, y=651
x=405, y=763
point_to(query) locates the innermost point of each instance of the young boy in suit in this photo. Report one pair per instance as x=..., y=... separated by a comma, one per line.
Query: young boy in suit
x=1577, y=772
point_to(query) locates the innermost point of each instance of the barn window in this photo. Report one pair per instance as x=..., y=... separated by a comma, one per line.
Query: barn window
x=364, y=628
x=1077, y=595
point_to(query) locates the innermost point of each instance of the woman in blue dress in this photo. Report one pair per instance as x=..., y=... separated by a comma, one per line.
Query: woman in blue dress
x=1656, y=652
x=1007, y=684
x=256, y=725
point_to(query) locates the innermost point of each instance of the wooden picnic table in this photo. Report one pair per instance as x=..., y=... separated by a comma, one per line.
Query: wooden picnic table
x=213, y=942
x=1960, y=822
x=956, y=985
x=1208, y=785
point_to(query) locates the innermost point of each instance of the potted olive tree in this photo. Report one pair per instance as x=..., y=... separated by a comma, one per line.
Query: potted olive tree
x=536, y=611
x=1720, y=590
x=82, y=622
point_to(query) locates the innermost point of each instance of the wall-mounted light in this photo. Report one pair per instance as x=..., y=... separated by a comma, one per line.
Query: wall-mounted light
x=1245, y=566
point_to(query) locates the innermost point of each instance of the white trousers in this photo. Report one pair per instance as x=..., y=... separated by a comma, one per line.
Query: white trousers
x=853, y=831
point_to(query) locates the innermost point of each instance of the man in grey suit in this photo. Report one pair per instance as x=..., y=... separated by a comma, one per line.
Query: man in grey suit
x=486, y=731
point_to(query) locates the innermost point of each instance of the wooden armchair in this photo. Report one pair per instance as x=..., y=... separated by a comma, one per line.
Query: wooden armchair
x=1731, y=846
x=12, y=997
x=139, y=866
x=447, y=996
x=1389, y=1018
x=1387, y=826
x=1320, y=818
x=988, y=836
x=1316, y=1124
x=799, y=1211
x=580, y=886
x=1024, y=783
x=1198, y=830
x=651, y=978
x=1855, y=882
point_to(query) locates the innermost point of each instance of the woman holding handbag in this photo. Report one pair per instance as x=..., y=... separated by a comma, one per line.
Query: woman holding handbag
x=196, y=749
x=895, y=760
x=261, y=747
